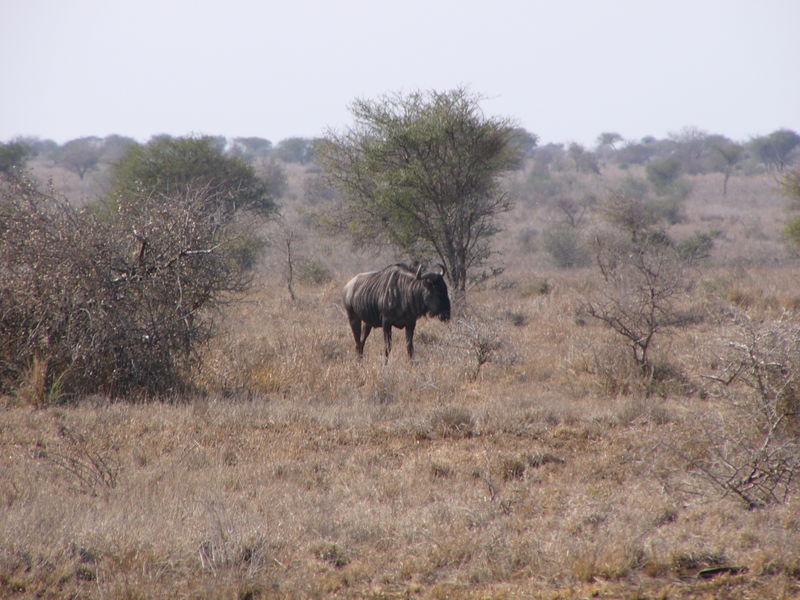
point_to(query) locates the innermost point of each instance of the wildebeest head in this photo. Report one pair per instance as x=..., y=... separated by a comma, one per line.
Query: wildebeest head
x=437, y=302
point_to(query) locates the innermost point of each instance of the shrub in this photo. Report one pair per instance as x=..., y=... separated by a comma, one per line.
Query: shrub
x=663, y=173
x=697, y=247
x=109, y=301
x=565, y=246
x=643, y=277
x=13, y=156
x=756, y=455
x=310, y=270
x=481, y=340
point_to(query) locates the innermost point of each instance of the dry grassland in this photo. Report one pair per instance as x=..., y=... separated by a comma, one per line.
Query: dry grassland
x=545, y=472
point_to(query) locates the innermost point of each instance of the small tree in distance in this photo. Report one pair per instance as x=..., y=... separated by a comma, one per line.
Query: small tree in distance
x=643, y=276
x=774, y=150
x=421, y=172
x=726, y=155
x=166, y=166
x=790, y=183
x=81, y=155
x=12, y=157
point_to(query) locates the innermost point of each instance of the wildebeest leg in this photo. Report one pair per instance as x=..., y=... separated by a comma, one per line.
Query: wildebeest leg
x=410, y=340
x=355, y=325
x=365, y=335
x=387, y=339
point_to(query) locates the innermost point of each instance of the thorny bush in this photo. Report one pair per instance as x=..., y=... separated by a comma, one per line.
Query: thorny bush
x=111, y=299
x=756, y=455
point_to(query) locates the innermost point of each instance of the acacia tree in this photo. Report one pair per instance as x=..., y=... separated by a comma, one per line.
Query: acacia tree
x=81, y=155
x=775, y=149
x=421, y=173
x=726, y=155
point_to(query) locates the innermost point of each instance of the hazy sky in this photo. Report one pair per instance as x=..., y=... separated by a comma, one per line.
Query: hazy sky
x=566, y=70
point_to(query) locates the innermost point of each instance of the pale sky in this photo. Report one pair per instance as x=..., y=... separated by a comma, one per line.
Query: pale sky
x=565, y=70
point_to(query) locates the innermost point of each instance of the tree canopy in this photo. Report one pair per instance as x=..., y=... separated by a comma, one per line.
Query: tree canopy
x=775, y=149
x=421, y=172
x=166, y=166
x=13, y=156
x=81, y=155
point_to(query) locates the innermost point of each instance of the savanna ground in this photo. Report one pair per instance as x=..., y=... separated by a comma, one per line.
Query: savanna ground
x=545, y=472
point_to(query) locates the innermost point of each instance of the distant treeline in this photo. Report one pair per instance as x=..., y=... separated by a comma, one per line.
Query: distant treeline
x=692, y=150
x=85, y=154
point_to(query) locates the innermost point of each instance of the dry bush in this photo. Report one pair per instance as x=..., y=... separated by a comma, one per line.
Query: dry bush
x=482, y=340
x=91, y=470
x=754, y=453
x=109, y=300
x=643, y=281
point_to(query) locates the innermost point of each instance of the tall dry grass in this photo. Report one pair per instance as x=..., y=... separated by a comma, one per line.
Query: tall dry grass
x=305, y=473
x=547, y=470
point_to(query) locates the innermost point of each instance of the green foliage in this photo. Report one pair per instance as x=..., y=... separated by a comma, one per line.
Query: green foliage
x=310, y=270
x=566, y=247
x=250, y=148
x=635, y=153
x=697, y=247
x=670, y=188
x=663, y=173
x=421, y=172
x=608, y=139
x=775, y=149
x=525, y=141
x=166, y=166
x=38, y=147
x=541, y=187
x=790, y=184
x=626, y=208
x=115, y=147
x=295, y=150
x=791, y=230
x=80, y=155
x=585, y=161
x=726, y=153
x=725, y=156
x=670, y=208
x=13, y=156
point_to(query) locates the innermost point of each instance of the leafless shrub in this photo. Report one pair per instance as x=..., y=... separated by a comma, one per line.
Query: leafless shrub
x=756, y=455
x=112, y=299
x=482, y=339
x=90, y=470
x=643, y=277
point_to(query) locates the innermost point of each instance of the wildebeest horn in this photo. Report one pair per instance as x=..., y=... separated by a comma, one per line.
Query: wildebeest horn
x=443, y=269
x=419, y=271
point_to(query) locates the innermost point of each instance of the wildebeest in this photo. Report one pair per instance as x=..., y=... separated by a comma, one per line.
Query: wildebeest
x=394, y=297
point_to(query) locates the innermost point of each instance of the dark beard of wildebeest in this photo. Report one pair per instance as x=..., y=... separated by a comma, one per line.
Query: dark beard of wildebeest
x=394, y=297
